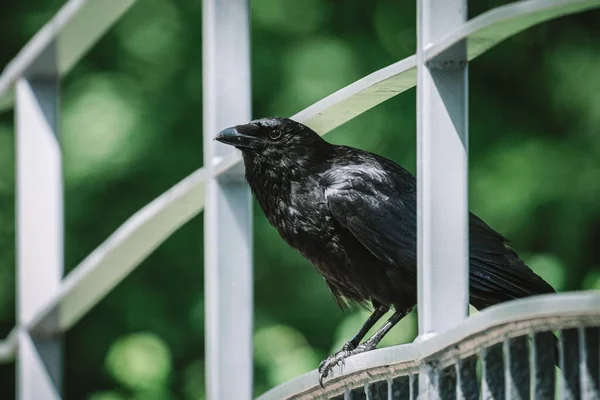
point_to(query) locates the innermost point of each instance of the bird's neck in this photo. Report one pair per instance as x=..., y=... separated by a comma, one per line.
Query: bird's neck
x=272, y=176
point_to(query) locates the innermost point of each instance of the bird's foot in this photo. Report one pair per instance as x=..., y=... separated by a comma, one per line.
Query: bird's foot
x=338, y=358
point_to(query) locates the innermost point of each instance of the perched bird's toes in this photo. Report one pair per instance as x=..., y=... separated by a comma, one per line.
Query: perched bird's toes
x=338, y=358
x=330, y=362
x=321, y=377
x=322, y=365
x=327, y=363
x=324, y=373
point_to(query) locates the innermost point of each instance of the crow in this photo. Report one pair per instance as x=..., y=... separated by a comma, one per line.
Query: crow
x=352, y=214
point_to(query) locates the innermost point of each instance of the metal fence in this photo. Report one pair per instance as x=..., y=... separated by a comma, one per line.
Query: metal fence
x=443, y=362
x=504, y=352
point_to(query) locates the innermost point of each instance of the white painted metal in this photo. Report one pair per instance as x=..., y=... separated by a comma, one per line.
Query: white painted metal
x=492, y=27
x=228, y=216
x=360, y=96
x=8, y=346
x=442, y=164
x=530, y=314
x=39, y=227
x=73, y=30
x=38, y=368
x=442, y=143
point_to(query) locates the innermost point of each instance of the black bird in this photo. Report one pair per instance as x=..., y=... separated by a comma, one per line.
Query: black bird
x=352, y=214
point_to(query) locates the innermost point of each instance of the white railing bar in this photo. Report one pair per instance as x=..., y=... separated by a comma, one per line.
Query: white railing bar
x=40, y=232
x=490, y=28
x=74, y=29
x=442, y=179
x=228, y=275
x=537, y=308
x=360, y=96
x=8, y=347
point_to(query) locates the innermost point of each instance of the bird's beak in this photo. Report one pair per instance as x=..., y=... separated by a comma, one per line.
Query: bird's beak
x=233, y=137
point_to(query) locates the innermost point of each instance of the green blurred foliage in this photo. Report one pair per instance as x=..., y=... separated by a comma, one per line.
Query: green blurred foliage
x=131, y=128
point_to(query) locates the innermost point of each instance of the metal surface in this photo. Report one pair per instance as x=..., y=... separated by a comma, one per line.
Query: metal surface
x=228, y=215
x=40, y=233
x=8, y=347
x=360, y=96
x=442, y=143
x=512, y=319
x=414, y=386
x=38, y=369
x=490, y=28
x=73, y=30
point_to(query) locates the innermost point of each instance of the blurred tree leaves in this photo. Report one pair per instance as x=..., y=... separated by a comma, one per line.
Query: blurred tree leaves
x=141, y=362
x=131, y=128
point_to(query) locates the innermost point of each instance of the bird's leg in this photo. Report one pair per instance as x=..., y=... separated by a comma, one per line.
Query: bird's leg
x=355, y=341
x=326, y=366
x=372, y=320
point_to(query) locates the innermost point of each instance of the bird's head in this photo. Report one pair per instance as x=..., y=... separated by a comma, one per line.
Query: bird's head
x=272, y=136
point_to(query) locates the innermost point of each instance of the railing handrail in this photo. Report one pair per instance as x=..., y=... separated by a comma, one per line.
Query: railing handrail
x=535, y=311
x=72, y=42
x=491, y=27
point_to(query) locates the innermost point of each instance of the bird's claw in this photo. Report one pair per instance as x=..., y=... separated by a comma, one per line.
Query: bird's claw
x=329, y=363
x=338, y=358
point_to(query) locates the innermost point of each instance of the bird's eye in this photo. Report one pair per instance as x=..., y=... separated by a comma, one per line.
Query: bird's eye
x=274, y=135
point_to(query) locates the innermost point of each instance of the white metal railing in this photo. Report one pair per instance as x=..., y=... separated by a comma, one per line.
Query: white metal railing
x=228, y=213
x=442, y=143
x=496, y=325
x=51, y=306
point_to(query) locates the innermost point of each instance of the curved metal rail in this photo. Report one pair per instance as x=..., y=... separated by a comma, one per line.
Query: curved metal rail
x=495, y=326
x=65, y=32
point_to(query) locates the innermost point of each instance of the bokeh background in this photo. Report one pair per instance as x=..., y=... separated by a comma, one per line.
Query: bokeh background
x=132, y=127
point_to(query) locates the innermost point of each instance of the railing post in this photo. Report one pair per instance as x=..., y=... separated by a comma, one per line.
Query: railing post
x=39, y=226
x=227, y=216
x=442, y=163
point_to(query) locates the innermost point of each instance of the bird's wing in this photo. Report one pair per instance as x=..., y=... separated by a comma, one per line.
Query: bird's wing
x=368, y=203
x=496, y=270
x=383, y=218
